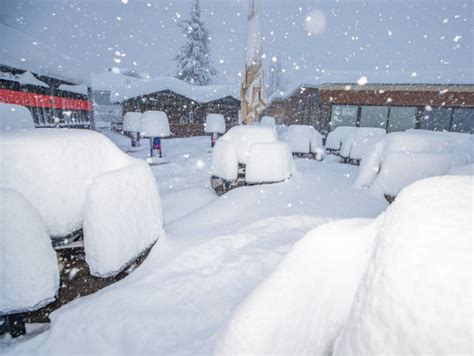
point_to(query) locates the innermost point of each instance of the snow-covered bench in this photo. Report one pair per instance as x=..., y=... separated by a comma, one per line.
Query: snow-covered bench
x=305, y=140
x=15, y=117
x=249, y=155
x=360, y=142
x=335, y=138
x=78, y=179
x=401, y=158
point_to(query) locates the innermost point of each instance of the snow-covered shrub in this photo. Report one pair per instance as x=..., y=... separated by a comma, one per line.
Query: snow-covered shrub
x=29, y=275
x=132, y=121
x=336, y=137
x=58, y=171
x=215, y=123
x=401, y=158
x=15, y=117
x=155, y=124
x=304, y=139
x=268, y=121
x=360, y=142
x=416, y=295
x=269, y=162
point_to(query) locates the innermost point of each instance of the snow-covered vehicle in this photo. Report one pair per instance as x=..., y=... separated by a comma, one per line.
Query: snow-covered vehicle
x=305, y=141
x=15, y=117
x=249, y=155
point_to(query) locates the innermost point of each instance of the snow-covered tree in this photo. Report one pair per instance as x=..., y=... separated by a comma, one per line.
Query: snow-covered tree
x=194, y=65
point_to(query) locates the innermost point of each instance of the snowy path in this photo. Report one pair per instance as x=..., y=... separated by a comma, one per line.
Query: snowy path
x=217, y=250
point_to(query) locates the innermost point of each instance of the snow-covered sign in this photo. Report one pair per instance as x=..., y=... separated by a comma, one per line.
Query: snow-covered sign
x=15, y=117
x=132, y=121
x=155, y=124
x=215, y=123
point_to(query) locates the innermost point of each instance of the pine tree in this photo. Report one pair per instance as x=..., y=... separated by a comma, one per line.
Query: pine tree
x=194, y=56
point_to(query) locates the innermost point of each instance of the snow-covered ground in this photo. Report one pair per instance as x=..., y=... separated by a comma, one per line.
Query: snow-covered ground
x=215, y=253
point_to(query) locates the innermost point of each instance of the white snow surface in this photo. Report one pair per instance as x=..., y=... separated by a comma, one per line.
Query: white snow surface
x=78, y=89
x=29, y=273
x=224, y=160
x=155, y=124
x=416, y=295
x=337, y=136
x=268, y=121
x=215, y=253
x=269, y=162
x=132, y=121
x=27, y=78
x=361, y=142
x=304, y=139
x=215, y=123
x=15, y=117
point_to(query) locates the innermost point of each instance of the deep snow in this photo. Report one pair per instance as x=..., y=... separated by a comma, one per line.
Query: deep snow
x=215, y=252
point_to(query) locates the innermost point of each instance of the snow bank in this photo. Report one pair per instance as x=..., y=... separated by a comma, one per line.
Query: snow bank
x=215, y=123
x=336, y=137
x=416, y=296
x=29, y=273
x=155, y=124
x=269, y=162
x=304, y=139
x=15, y=117
x=302, y=306
x=361, y=142
x=132, y=121
x=123, y=217
x=268, y=121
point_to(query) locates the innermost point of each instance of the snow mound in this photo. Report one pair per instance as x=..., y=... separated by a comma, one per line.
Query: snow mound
x=361, y=142
x=224, y=160
x=123, y=217
x=336, y=137
x=416, y=296
x=29, y=273
x=268, y=121
x=155, y=124
x=215, y=123
x=303, y=305
x=132, y=121
x=15, y=117
x=304, y=139
x=269, y=162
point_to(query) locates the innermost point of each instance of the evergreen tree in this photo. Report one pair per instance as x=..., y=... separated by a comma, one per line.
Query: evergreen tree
x=194, y=56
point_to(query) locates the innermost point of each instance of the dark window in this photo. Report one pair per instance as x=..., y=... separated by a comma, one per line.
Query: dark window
x=463, y=120
x=436, y=119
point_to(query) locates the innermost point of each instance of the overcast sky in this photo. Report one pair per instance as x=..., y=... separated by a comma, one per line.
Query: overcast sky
x=397, y=41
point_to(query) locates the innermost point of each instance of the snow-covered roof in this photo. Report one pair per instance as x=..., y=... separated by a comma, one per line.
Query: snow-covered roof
x=400, y=87
x=22, y=51
x=111, y=81
x=78, y=89
x=200, y=94
x=26, y=78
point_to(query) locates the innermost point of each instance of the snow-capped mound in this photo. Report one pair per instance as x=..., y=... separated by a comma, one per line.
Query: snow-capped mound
x=401, y=158
x=303, y=305
x=15, y=117
x=269, y=162
x=58, y=172
x=268, y=121
x=360, y=142
x=29, y=269
x=132, y=121
x=337, y=136
x=304, y=139
x=416, y=296
x=215, y=123
x=155, y=124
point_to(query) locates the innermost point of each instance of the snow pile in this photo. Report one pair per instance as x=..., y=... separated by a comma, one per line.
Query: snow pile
x=132, y=121
x=29, y=273
x=268, y=121
x=304, y=139
x=401, y=158
x=123, y=217
x=215, y=123
x=336, y=137
x=303, y=305
x=269, y=162
x=155, y=124
x=416, y=296
x=361, y=142
x=399, y=284
x=15, y=117
x=58, y=171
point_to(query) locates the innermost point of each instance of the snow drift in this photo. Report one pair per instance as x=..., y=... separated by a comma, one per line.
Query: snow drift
x=400, y=284
x=29, y=273
x=15, y=117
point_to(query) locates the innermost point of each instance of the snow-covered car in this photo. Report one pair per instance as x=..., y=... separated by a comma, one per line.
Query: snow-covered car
x=249, y=155
x=305, y=141
x=79, y=180
x=15, y=117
